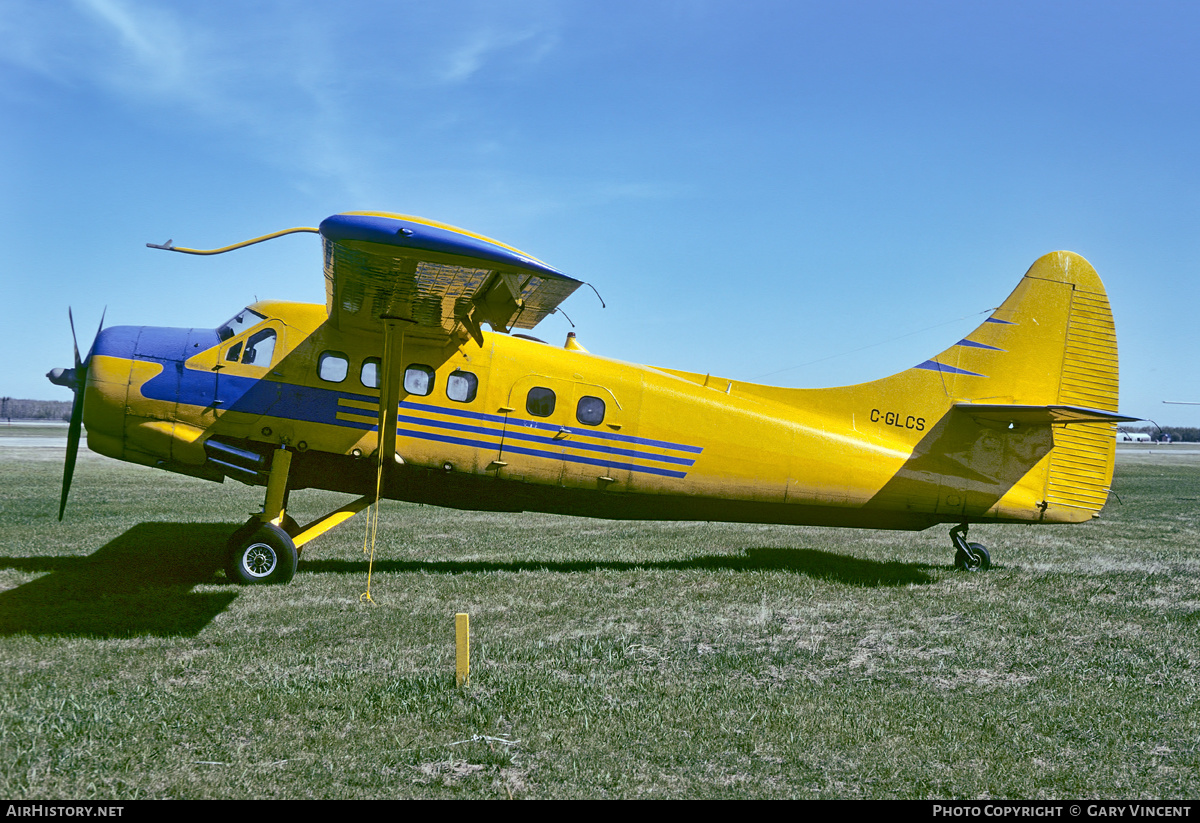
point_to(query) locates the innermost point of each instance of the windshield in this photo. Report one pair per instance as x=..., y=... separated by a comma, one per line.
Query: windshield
x=239, y=323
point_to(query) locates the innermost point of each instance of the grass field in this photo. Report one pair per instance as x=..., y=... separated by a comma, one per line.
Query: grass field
x=608, y=659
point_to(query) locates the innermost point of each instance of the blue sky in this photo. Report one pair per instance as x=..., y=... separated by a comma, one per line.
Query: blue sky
x=805, y=194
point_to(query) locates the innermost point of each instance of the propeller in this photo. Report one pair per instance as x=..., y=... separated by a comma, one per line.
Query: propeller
x=76, y=380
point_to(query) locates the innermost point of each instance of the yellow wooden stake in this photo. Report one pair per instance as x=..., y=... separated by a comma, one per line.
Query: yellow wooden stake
x=462, y=636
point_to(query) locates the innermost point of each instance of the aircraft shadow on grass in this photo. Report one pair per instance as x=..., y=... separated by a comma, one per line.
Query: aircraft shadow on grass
x=838, y=568
x=141, y=582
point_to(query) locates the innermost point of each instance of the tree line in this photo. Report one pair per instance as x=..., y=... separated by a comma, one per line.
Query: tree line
x=1179, y=434
x=12, y=408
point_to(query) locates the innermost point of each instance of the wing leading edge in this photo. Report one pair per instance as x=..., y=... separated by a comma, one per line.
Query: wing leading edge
x=391, y=266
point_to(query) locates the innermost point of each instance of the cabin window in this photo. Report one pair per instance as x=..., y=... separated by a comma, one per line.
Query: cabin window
x=234, y=352
x=461, y=386
x=260, y=348
x=540, y=402
x=590, y=411
x=418, y=380
x=333, y=366
x=369, y=376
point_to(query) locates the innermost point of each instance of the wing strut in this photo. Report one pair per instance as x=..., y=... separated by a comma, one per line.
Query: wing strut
x=389, y=403
x=389, y=392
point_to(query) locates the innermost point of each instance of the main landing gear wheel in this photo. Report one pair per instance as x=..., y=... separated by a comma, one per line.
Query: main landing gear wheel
x=261, y=553
x=969, y=557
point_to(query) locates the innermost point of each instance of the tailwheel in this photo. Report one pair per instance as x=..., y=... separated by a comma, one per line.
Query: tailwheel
x=977, y=561
x=261, y=553
x=969, y=557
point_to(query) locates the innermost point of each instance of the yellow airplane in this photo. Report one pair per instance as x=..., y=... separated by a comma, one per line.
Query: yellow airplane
x=393, y=389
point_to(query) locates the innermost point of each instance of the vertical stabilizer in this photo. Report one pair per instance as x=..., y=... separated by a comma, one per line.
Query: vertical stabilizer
x=1051, y=342
x=1018, y=415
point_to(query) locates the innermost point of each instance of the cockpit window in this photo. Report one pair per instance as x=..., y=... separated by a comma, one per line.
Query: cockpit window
x=239, y=323
x=260, y=347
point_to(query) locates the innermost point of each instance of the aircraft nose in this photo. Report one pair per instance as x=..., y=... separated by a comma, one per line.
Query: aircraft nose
x=117, y=341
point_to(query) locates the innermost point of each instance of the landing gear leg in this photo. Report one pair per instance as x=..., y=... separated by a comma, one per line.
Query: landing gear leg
x=267, y=548
x=262, y=551
x=969, y=557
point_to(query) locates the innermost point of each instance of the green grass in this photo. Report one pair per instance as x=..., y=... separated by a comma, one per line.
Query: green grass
x=608, y=659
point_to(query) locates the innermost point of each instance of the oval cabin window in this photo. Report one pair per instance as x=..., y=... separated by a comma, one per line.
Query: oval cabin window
x=461, y=386
x=333, y=366
x=540, y=402
x=590, y=411
x=369, y=376
x=418, y=380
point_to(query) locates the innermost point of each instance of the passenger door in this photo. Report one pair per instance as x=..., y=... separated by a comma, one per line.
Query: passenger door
x=565, y=433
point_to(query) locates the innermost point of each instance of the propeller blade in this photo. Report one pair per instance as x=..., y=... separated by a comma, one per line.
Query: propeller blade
x=72, y=441
x=74, y=341
x=76, y=427
x=99, y=329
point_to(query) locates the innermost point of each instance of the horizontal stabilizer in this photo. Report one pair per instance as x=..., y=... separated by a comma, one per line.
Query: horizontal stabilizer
x=1033, y=415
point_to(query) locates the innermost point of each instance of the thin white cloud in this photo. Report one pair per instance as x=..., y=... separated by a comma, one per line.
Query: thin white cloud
x=118, y=17
x=488, y=46
x=147, y=50
x=268, y=86
x=117, y=46
x=341, y=108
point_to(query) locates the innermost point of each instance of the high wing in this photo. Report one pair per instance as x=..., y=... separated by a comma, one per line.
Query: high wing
x=381, y=266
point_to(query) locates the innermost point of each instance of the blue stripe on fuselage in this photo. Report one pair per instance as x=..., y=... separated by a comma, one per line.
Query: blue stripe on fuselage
x=570, y=458
x=552, y=427
x=206, y=389
x=515, y=433
x=257, y=397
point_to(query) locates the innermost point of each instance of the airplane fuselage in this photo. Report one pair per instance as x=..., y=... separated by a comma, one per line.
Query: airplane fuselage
x=518, y=424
